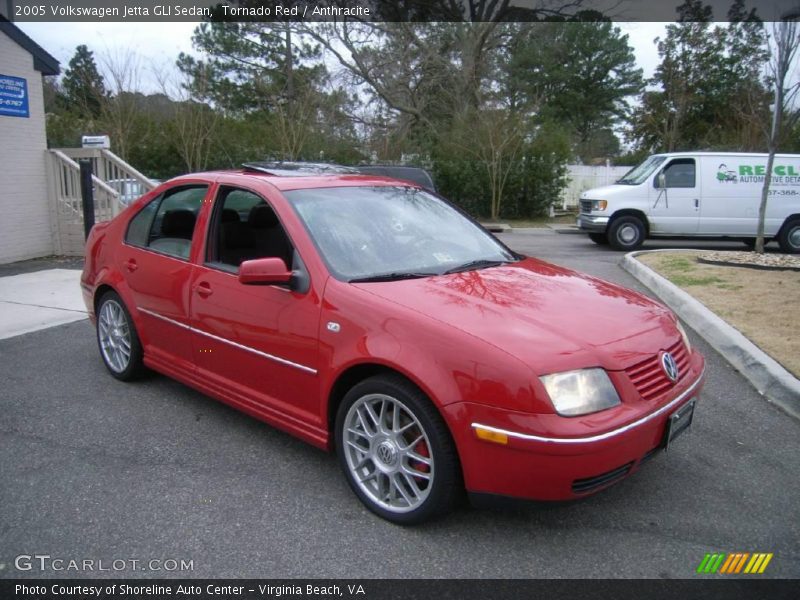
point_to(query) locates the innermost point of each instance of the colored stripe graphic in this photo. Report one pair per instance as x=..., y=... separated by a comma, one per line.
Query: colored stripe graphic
x=734, y=563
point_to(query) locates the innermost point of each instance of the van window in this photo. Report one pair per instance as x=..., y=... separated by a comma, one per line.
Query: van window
x=680, y=173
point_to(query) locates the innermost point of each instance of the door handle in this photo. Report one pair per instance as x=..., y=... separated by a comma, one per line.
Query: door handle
x=203, y=289
x=131, y=265
x=697, y=203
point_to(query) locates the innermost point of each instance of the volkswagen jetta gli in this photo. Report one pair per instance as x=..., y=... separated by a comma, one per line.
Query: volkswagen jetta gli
x=367, y=315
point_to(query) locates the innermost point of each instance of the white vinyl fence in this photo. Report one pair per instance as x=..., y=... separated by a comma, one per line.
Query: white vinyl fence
x=586, y=177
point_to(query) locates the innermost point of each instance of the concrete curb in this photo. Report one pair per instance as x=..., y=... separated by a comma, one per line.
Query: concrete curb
x=769, y=378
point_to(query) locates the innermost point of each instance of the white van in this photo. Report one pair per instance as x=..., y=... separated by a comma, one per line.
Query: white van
x=696, y=194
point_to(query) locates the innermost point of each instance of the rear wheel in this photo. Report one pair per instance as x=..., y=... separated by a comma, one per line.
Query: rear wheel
x=396, y=451
x=626, y=233
x=599, y=238
x=789, y=237
x=117, y=339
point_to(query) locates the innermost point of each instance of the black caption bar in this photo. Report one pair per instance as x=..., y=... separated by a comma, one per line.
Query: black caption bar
x=397, y=589
x=373, y=10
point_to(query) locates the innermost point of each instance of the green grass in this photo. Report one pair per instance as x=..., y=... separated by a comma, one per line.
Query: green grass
x=680, y=271
x=541, y=221
x=688, y=280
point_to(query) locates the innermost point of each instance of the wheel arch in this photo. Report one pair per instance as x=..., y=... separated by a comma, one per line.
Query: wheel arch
x=631, y=212
x=358, y=372
x=101, y=290
x=789, y=219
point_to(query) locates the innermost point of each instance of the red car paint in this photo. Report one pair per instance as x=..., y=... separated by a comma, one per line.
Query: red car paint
x=475, y=342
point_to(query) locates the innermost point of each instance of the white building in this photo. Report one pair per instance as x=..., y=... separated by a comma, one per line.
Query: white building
x=26, y=221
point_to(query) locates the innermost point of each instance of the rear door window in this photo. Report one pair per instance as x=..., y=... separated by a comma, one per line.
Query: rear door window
x=166, y=224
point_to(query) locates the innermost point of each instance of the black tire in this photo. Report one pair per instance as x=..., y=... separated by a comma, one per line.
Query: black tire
x=377, y=471
x=133, y=367
x=601, y=239
x=789, y=237
x=626, y=233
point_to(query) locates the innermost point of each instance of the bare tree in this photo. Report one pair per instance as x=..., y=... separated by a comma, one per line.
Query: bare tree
x=120, y=111
x=193, y=123
x=785, y=41
x=494, y=139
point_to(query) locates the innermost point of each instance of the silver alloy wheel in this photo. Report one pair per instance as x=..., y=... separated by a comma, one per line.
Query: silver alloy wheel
x=627, y=234
x=388, y=453
x=114, y=333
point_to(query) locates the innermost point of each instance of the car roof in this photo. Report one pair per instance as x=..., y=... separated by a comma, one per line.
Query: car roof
x=291, y=181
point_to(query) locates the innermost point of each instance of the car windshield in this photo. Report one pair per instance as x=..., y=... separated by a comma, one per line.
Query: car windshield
x=638, y=174
x=384, y=233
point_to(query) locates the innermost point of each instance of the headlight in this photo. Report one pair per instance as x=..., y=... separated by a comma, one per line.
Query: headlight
x=580, y=392
x=599, y=204
x=684, y=336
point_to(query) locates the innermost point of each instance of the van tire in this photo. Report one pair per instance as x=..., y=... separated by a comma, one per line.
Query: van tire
x=789, y=237
x=601, y=239
x=626, y=233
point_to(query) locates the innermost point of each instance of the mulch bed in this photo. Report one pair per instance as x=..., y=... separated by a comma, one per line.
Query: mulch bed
x=752, y=260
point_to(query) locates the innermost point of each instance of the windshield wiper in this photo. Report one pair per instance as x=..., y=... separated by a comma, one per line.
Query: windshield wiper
x=475, y=264
x=391, y=277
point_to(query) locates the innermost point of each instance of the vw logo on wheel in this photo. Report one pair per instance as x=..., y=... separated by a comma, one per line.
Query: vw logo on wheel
x=386, y=453
x=670, y=366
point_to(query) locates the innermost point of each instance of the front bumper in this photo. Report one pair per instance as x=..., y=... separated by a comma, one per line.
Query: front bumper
x=592, y=224
x=548, y=466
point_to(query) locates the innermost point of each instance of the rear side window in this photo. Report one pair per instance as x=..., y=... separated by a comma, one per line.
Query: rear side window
x=167, y=223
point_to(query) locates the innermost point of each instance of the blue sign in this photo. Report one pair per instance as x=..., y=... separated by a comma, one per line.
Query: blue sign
x=13, y=96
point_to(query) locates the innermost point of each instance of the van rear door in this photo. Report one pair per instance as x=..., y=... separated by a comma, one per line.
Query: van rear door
x=674, y=208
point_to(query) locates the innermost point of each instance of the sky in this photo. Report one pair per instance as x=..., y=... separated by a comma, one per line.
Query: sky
x=158, y=44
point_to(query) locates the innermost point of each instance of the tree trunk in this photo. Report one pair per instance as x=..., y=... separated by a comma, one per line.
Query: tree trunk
x=777, y=114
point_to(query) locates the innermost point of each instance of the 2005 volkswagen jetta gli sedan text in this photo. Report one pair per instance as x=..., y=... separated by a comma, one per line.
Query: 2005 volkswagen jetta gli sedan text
x=367, y=315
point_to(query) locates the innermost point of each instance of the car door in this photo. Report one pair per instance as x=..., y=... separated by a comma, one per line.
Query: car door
x=674, y=208
x=155, y=261
x=256, y=344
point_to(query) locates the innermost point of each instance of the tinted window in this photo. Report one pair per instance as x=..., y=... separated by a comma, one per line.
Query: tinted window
x=680, y=173
x=167, y=223
x=245, y=227
x=139, y=227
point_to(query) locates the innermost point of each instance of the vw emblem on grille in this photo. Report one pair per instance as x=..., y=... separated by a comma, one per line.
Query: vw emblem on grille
x=670, y=366
x=386, y=453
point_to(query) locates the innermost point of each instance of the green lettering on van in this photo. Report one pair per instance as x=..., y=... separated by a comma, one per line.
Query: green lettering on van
x=760, y=170
x=790, y=171
x=780, y=170
x=745, y=170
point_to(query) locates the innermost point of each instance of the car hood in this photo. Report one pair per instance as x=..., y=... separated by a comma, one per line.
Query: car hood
x=545, y=315
x=601, y=193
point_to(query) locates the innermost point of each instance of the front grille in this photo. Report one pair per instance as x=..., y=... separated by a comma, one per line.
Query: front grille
x=586, y=206
x=583, y=486
x=649, y=377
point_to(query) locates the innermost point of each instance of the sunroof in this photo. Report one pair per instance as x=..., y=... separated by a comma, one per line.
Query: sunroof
x=298, y=169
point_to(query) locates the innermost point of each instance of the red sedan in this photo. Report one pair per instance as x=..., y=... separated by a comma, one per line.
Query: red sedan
x=367, y=315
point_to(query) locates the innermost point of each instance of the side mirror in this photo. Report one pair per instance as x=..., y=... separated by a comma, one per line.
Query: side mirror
x=661, y=180
x=264, y=271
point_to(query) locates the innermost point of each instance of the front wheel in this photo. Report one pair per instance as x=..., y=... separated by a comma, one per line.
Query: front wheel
x=396, y=451
x=626, y=233
x=789, y=237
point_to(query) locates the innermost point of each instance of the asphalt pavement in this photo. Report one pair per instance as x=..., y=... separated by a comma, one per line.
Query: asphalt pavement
x=94, y=469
